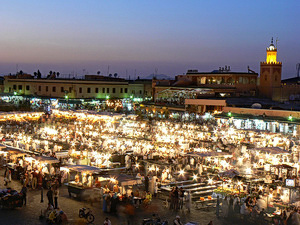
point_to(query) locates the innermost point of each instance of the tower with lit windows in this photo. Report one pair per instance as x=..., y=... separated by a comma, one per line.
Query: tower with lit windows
x=270, y=74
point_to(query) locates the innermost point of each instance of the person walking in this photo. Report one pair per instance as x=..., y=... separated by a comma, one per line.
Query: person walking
x=24, y=193
x=181, y=197
x=218, y=207
x=176, y=199
x=106, y=221
x=55, y=194
x=6, y=176
x=50, y=196
x=177, y=221
x=225, y=206
x=147, y=183
x=156, y=188
x=172, y=198
x=188, y=202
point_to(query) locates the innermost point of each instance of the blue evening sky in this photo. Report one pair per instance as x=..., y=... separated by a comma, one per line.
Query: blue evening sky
x=76, y=36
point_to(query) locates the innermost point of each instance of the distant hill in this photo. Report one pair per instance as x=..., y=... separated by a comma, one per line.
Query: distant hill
x=159, y=77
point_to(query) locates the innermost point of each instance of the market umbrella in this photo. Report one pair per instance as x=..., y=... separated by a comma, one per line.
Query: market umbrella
x=229, y=173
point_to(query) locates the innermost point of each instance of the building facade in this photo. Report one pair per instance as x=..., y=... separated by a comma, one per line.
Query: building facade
x=90, y=88
x=219, y=84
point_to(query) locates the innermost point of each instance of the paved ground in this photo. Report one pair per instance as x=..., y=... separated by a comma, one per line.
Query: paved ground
x=30, y=214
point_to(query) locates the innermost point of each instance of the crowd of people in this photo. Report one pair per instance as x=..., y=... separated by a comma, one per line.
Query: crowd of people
x=94, y=139
x=254, y=210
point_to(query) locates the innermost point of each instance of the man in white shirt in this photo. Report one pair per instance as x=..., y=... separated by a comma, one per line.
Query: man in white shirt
x=177, y=221
x=261, y=203
x=107, y=221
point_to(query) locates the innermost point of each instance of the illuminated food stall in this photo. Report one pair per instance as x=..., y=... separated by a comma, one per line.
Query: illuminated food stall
x=83, y=178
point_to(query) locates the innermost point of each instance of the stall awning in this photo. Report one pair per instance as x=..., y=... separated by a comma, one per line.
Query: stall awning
x=69, y=101
x=229, y=173
x=83, y=168
x=46, y=159
x=15, y=152
x=126, y=180
x=283, y=166
x=272, y=150
x=209, y=154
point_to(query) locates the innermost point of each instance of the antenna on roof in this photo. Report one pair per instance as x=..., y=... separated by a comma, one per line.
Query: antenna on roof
x=276, y=42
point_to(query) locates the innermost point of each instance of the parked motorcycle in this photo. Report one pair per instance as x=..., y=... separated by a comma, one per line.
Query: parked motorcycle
x=155, y=220
x=87, y=214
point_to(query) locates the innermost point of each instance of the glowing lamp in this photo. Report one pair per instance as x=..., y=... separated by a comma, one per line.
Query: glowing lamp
x=248, y=170
x=181, y=172
x=270, y=195
x=195, y=177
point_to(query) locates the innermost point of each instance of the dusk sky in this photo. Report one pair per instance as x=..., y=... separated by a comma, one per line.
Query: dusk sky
x=170, y=35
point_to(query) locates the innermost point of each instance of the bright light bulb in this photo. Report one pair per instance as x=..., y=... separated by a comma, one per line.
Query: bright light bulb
x=195, y=177
x=248, y=170
x=181, y=172
x=270, y=196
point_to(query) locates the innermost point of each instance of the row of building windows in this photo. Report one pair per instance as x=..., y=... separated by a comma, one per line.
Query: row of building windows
x=20, y=87
x=89, y=90
x=107, y=90
x=62, y=89
x=231, y=81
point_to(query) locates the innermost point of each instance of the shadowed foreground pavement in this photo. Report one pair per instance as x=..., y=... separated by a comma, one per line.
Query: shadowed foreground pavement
x=29, y=214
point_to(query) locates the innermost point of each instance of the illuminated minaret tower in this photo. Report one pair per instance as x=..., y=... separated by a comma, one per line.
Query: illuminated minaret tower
x=270, y=74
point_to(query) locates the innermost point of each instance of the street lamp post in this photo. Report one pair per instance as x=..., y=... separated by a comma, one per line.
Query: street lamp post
x=67, y=98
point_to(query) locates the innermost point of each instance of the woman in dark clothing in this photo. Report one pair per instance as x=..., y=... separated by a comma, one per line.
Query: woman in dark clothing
x=114, y=202
x=50, y=197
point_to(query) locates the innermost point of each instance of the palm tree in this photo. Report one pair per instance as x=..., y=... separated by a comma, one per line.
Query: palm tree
x=39, y=75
